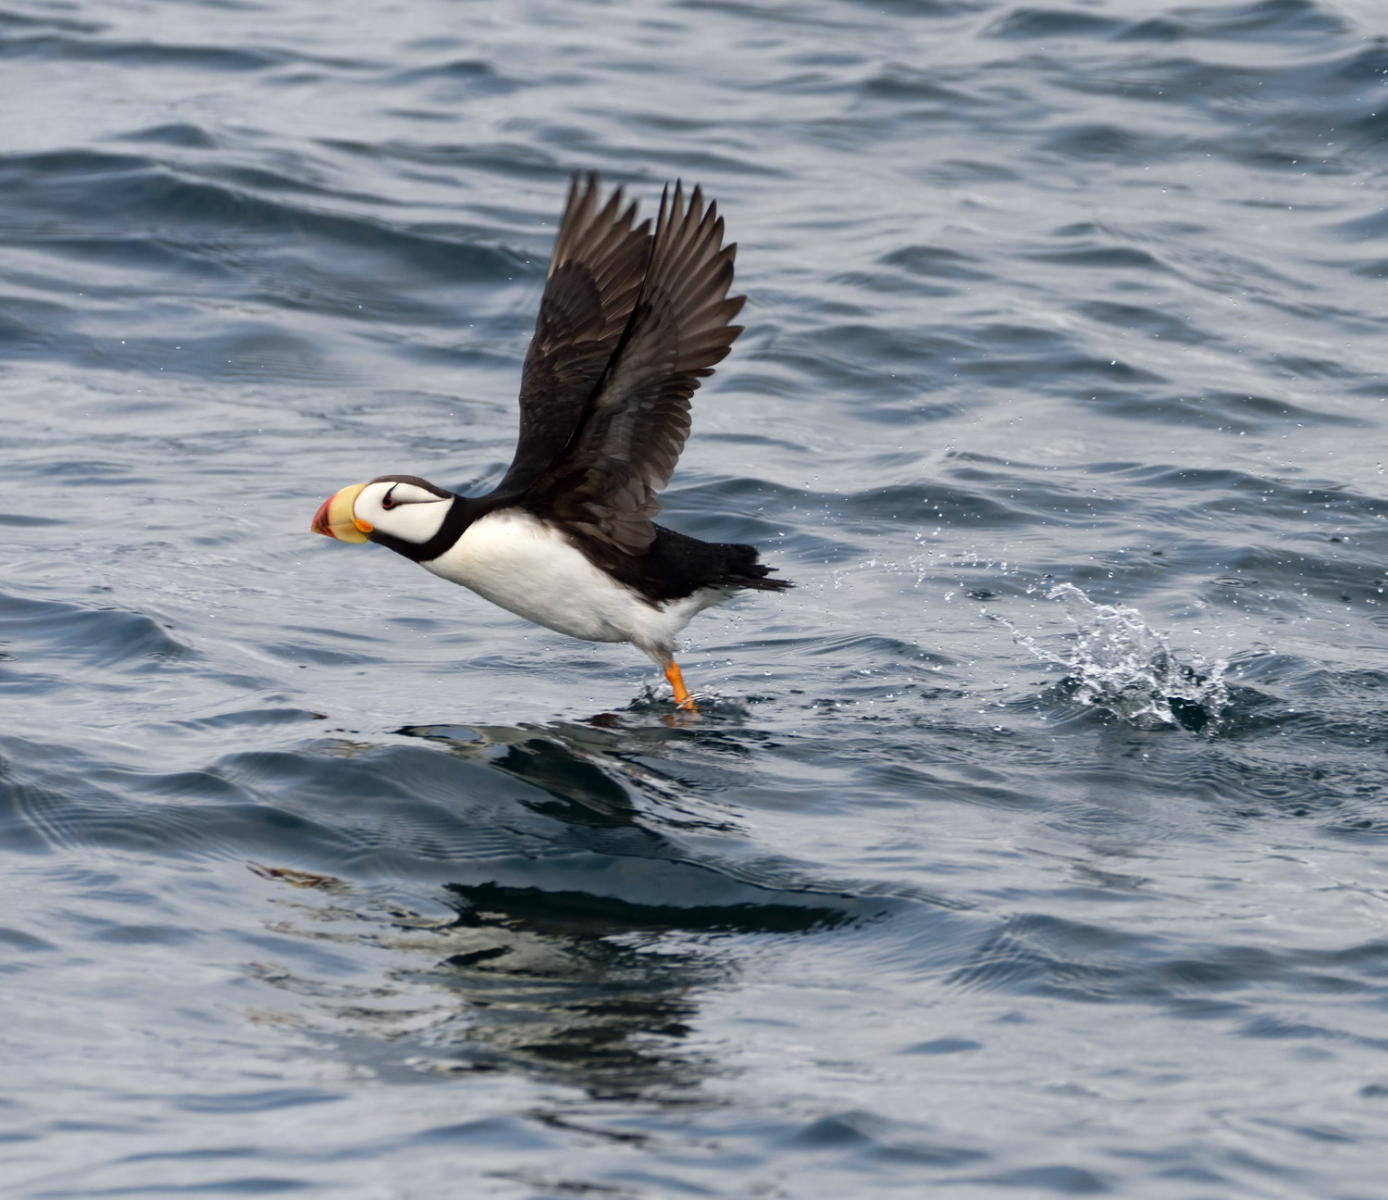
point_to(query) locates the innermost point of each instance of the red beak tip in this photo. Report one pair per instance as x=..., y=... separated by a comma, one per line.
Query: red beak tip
x=320, y=519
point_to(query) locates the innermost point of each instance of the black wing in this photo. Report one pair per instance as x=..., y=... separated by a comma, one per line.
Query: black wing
x=595, y=275
x=606, y=485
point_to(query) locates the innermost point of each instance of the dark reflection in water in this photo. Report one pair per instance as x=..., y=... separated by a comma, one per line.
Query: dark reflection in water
x=582, y=987
x=562, y=986
x=592, y=990
x=583, y=768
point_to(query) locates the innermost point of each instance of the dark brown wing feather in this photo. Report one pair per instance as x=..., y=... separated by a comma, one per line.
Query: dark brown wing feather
x=606, y=486
x=595, y=275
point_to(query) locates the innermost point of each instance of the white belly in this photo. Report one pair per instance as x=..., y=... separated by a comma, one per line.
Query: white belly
x=521, y=564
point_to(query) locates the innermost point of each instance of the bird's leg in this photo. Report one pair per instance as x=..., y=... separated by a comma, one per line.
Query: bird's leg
x=676, y=680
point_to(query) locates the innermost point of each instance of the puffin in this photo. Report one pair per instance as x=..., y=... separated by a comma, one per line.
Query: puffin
x=631, y=321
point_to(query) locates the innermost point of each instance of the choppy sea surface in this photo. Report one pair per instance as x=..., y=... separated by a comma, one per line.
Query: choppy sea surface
x=1036, y=844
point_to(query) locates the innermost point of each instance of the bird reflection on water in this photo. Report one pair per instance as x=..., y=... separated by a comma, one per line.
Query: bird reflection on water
x=594, y=987
x=586, y=770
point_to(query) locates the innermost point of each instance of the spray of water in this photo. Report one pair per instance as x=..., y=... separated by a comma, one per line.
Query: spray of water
x=1118, y=663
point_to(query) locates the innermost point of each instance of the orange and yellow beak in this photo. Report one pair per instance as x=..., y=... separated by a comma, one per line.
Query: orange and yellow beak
x=334, y=517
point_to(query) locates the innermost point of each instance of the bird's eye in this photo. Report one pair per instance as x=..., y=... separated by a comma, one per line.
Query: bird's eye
x=388, y=501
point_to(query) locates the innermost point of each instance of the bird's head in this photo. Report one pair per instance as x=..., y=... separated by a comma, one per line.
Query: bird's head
x=400, y=511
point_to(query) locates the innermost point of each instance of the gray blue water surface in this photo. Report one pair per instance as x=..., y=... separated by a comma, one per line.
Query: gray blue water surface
x=1036, y=845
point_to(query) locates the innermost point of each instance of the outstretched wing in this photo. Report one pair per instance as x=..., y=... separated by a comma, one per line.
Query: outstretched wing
x=595, y=274
x=606, y=486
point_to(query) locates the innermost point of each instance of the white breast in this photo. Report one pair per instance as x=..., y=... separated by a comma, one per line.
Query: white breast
x=517, y=561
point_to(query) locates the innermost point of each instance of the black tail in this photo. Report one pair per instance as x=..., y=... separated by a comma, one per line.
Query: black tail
x=743, y=568
x=679, y=564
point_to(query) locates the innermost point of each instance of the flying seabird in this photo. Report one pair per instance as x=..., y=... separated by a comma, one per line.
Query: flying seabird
x=629, y=323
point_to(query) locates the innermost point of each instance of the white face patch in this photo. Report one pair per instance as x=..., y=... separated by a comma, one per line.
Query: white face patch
x=401, y=510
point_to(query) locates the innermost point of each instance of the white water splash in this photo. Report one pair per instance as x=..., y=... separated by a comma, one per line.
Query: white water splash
x=1120, y=664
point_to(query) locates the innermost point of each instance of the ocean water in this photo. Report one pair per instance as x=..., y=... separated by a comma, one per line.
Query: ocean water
x=1035, y=845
